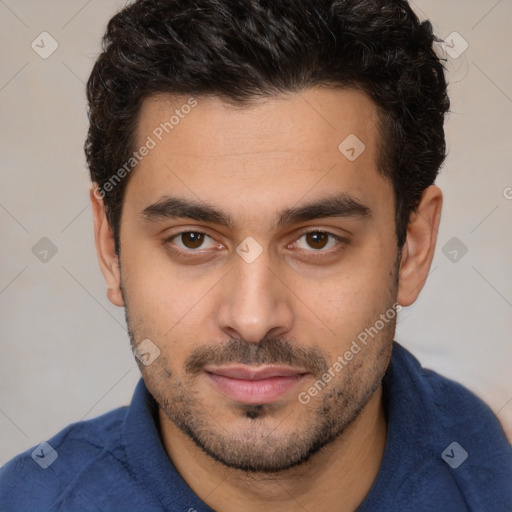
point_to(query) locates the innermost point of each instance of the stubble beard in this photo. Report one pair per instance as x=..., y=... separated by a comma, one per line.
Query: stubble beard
x=261, y=444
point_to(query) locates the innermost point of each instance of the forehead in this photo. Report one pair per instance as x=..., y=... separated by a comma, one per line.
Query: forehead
x=272, y=152
x=319, y=117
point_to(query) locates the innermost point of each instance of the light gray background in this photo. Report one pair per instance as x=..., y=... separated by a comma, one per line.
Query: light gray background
x=65, y=352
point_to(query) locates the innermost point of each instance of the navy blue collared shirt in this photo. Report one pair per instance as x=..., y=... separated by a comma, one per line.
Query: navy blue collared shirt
x=445, y=451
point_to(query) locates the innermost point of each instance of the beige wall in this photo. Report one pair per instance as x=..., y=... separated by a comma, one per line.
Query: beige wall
x=65, y=352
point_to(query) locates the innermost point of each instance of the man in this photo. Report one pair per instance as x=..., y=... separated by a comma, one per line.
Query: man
x=264, y=205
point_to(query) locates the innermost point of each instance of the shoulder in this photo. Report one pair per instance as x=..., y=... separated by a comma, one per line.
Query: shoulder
x=460, y=442
x=450, y=403
x=36, y=478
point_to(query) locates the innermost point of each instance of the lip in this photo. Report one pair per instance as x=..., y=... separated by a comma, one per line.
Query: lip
x=254, y=385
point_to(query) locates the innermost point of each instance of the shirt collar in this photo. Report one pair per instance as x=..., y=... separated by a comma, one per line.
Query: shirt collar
x=148, y=459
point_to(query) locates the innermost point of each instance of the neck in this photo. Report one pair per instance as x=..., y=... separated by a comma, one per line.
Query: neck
x=337, y=478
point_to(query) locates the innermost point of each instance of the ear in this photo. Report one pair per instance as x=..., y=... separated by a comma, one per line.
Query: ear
x=418, y=250
x=105, y=248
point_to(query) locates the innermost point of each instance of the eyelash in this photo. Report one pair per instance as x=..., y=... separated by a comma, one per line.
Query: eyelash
x=319, y=253
x=313, y=253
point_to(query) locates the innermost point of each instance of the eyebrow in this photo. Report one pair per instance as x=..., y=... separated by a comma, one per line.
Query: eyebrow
x=341, y=205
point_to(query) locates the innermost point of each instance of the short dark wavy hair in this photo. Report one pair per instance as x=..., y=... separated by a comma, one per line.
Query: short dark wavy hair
x=241, y=50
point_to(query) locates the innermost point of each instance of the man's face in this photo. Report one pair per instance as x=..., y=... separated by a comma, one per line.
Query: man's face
x=248, y=314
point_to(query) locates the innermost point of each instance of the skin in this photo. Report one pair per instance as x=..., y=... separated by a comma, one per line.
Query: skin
x=309, y=296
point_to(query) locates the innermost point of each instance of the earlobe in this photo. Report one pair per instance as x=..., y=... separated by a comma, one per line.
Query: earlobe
x=419, y=247
x=105, y=249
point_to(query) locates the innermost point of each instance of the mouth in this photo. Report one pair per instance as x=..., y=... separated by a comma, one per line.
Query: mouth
x=254, y=384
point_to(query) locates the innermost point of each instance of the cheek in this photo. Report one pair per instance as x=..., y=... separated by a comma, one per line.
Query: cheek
x=166, y=308
x=155, y=289
x=352, y=298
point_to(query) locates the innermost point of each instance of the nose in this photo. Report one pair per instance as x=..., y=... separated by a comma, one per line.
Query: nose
x=255, y=302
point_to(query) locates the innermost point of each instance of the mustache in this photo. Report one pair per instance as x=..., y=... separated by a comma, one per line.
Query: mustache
x=268, y=351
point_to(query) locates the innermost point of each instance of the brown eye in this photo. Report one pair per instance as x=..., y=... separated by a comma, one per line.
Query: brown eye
x=192, y=239
x=317, y=239
x=321, y=242
x=192, y=246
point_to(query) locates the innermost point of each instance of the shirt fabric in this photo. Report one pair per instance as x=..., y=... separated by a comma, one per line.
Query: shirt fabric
x=445, y=451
